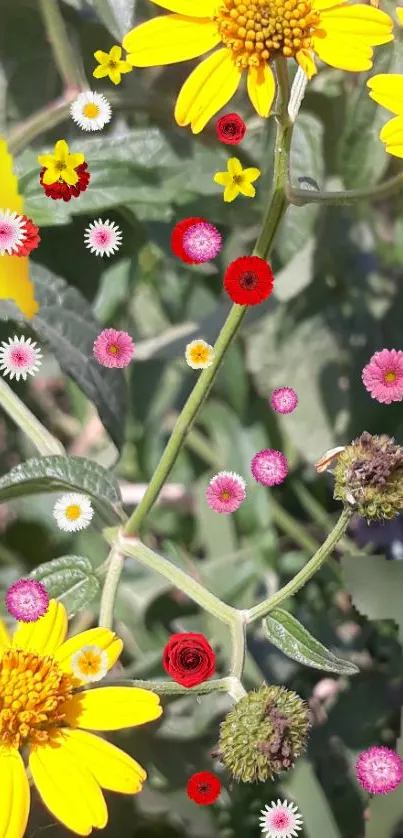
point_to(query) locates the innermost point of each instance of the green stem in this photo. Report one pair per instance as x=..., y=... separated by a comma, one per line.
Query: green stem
x=238, y=635
x=43, y=120
x=263, y=608
x=43, y=440
x=172, y=688
x=65, y=59
x=301, y=197
x=109, y=591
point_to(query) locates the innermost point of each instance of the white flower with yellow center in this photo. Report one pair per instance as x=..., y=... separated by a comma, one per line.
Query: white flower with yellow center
x=73, y=512
x=91, y=111
x=90, y=663
x=199, y=354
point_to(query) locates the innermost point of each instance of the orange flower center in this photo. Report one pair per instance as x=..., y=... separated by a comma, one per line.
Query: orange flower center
x=225, y=495
x=390, y=376
x=73, y=512
x=33, y=692
x=258, y=30
x=90, y=110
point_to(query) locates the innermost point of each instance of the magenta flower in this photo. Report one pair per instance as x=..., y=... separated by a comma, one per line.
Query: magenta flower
x=379, y=770
x=284, y=400
x=113, y=348
x=225, y=492
x=269, y=467
x=27, y=600
x=383, y=376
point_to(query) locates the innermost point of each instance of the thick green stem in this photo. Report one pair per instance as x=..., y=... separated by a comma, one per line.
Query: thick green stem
x=263, y=608
x=301, y=197
x=238, y=635
x=109, y=590
x=66, y=61
x=43, y=120
x=44, y=442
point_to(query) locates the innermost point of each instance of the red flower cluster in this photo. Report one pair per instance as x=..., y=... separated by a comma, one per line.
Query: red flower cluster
x=248, y=280
x=189, y=659
x=230, y=129
x=203, y=788
x=31, y=239
x=61, y=190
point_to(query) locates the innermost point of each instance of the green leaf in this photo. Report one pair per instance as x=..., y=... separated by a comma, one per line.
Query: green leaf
x=65, y=321
x=50, y=474
x=70, y=579
x=292, y=638
x=375, y=585
x=116, y=15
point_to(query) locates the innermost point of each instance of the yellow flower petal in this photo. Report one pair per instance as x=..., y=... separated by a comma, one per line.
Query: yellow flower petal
x=307, y=62
x=261, y=89
x=223, y=178
x=247, y=189
x=76, y=160
x=320, y=5
x=111, y=767
x=46, y=634
x=68, y=789
x=234, y=166
x=189, y=8
x=387, y=90
x=169, y=39
x=14, y=808
x=101, y=56
x=61, y=151
x=399, y=12
x=9, y=197
x=101, y=71
x=347, y=54
x=101, y=637
x=112, y=708
x=46, y=160
x=5, y=639
x=208, y=88
x=51, y=175
x=125, y=67
x=114, y=75
x=231, y=192
x=365, y=23
x=252, y=174
x=392, y=136
x=69, y=176
x=115, y=53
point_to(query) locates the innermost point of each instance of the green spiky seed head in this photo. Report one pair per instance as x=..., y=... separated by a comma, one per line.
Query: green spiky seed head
x=369, y=477
x=263, y=734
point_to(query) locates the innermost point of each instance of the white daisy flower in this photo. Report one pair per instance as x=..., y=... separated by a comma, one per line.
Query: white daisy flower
x=19, y=357
x=12, y=231
x=280, y=820
x=73, y=512
x=90, y=663
x=103, y=237
x=91, y=111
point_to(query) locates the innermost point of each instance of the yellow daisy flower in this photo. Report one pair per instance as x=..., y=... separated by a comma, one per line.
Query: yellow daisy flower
x=237, y=180
x=111, y=64
x=43, y=715
x=387, y=90
x=60, y=165
x=252, y=33
x=15, y=283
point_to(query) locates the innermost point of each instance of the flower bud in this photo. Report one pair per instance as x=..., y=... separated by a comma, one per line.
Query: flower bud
x=263, y=734
x=369, y=476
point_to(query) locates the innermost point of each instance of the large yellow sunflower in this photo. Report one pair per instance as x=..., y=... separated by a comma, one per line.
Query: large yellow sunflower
x=253, y=33
x=43, y=715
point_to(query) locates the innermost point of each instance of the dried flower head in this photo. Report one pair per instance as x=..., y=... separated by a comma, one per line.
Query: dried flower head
x=369, y=476
x=263, y=734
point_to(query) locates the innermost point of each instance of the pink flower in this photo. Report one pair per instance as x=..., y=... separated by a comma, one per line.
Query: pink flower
x=113, y=348
x=379, y=770
x=269, y=467
x=19, y=357
x=383, y=376
x=27, y=600
x=284, y=400
x=225, y=492
x=280, y=820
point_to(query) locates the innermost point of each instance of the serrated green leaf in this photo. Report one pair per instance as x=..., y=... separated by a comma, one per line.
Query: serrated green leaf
x=292, y=638
x=50, y=474
x=65, y=321
x=70, y=579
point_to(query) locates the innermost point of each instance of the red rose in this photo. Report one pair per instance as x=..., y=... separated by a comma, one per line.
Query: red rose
x=189, y=659
x=230, y=129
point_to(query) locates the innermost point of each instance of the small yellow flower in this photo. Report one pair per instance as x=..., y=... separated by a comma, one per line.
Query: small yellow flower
x=237, y=180
x=111, y=64
x=90, y=663
x=199, y=354
x=387, y=90
x=60, y=165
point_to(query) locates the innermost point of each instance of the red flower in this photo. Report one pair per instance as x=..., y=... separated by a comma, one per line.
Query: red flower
x=248, y=280
x=230, y=129
x=60, y=189
x=195, y=241
x=189, y=659
x=203, y=788
x=31, y=239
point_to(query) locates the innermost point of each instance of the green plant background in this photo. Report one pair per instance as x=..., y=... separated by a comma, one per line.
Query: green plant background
x=338, y=298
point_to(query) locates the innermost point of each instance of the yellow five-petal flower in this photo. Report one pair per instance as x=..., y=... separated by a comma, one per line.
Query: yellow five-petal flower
x=111, y=64
x=237, y=180
x=60, y=165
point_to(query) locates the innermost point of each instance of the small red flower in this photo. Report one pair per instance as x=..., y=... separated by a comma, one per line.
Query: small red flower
x=230, y=129
x=189, y=659
x=248, y=280
x=204, y=788
x=31, y=239
x=195, y=240
x=61, y=190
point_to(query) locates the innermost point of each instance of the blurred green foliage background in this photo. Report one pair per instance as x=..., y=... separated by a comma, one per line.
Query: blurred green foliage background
x=338, y=298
